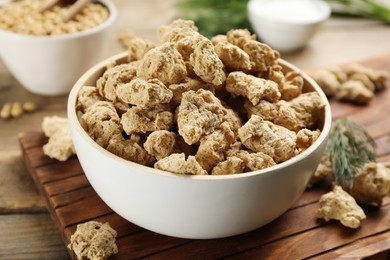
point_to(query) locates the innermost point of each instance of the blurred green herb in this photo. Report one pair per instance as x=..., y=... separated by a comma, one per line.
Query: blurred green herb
x=363, y=8
x=214, y=17
x=349, y=147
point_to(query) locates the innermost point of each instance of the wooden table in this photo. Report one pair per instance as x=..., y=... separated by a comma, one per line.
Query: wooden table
x=27, y=230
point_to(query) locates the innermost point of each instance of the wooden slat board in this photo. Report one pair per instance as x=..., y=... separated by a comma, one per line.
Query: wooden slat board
x=296, y=234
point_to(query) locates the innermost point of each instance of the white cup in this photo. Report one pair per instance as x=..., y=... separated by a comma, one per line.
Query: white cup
x=287, y=25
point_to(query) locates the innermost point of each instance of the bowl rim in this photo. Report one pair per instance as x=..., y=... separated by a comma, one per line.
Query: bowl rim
x=324, y=15
x=73, y=119
x=113, y=13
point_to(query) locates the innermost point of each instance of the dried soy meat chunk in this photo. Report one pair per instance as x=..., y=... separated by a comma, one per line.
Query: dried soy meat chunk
x=251, y=87
x=163, y=62
x=139, y=120
x=144, y=93
x=339, y=205
x=264, y=136
x=177, y=163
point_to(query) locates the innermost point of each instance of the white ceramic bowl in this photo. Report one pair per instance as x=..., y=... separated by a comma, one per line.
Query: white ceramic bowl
x=287, y=25
x=193, y=206
x=50, y=65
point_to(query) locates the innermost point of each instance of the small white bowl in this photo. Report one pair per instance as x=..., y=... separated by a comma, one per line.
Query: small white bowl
x=187, y=206
x=50, y=65
x=287, y=25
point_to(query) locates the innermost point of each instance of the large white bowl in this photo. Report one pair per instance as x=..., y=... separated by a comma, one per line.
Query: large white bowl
x=193, y=206
x=287, y=25
x=50, y=65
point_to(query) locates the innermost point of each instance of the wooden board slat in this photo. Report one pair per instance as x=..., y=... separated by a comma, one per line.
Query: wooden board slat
x=70, y=206
x=296, y=234
x=322, y=239
x=365, y=247
x=53, y=172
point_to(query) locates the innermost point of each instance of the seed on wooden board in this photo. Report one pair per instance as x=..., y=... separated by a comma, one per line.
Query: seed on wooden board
x=16, y=109
x=29, y=106
x=6, y=111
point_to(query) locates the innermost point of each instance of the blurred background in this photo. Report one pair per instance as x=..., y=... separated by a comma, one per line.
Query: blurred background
x=357, y=30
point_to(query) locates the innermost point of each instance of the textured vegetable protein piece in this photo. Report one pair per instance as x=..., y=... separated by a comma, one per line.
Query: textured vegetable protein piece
x=94, y=240
x=357, y=84
x=264, y=136
x=339, y=205
x=372, y=183
x=60, y=144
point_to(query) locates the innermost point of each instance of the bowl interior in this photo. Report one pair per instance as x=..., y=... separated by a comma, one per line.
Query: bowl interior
x=91, y=76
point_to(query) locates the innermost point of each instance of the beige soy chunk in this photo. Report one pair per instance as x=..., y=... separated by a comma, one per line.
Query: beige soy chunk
x=252, y=161
x=377, y=77
x=218, y=38
x=199, y=114
x=130, y=149
x=177, y=163
x=160, y=143
x=308, y=109
x=144, y=93
x=234, y=58
x=60, y=144
x=256, y=161
x=279, y=113
x=305, y=138
x=339, y=205
x=139, y=120
x=232, y=165
x=186, y=45
x=206, y=63
x=239, y=37
x=211, y=147
x=253, y=88
x=177, y=30
x=292, y=85
x=101, y=122
x=163, y=62
x=261, y=54
x=328, y=81
x=114, y=76
x=87, y=96
x=372, y=183
x=354, y=91
x=186, y=85
x=264, y=136
x=93, y=240
x=300, y=112
x=136, y=46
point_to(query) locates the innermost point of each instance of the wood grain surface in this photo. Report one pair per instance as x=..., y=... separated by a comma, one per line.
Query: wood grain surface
x=28, y=231
x=297, y=234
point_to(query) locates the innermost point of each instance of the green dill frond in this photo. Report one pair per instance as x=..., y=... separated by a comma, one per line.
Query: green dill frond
x=214, y=17
x=349, y=148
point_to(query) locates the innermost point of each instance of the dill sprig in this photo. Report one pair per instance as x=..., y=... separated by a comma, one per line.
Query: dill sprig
x=349, y=148
x=214, y=17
